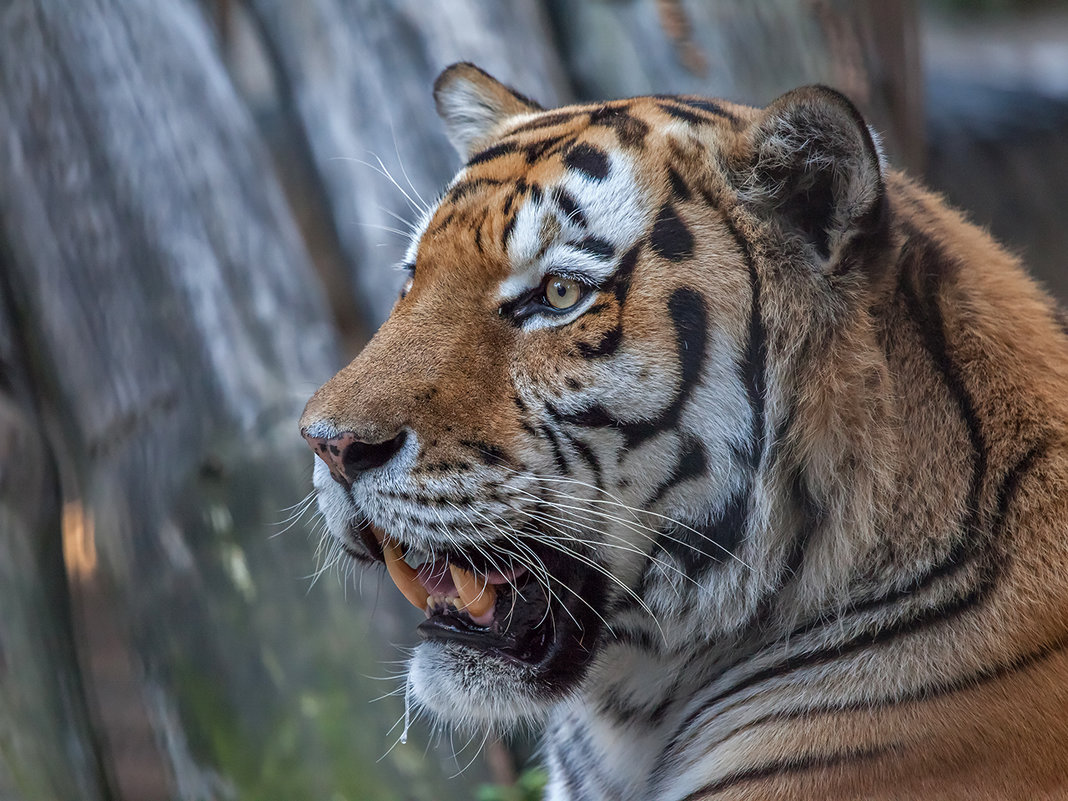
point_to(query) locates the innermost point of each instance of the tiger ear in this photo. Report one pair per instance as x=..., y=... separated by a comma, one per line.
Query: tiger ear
x=472, y=103
x=815, y=169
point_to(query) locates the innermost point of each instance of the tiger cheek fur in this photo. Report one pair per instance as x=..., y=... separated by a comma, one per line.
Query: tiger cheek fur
x=700, y=437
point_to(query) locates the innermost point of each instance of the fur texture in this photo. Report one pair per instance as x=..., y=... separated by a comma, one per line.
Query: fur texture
x=806, y=428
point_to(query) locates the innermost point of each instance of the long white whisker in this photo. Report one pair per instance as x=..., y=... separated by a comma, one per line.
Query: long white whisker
x=620, y=504
x=388, y=229
x=404, y=172
x=637, y=528
x=419, y=208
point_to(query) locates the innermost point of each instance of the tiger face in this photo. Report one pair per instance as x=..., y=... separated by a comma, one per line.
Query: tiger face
x=561, y=438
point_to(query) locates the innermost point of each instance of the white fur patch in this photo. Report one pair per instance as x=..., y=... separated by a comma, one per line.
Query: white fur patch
x=615, y=210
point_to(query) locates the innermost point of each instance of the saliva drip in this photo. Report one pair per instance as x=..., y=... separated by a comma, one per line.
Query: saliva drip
x=407, y=709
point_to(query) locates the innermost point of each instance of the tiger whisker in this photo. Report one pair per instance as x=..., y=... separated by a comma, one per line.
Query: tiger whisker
x=637, y=529
x=618, y=503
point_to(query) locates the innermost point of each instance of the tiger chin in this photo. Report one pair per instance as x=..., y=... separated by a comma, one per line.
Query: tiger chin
x=720, y=449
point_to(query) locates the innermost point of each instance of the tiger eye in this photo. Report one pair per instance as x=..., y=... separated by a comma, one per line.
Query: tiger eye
x=407, y=286
x=562, y=293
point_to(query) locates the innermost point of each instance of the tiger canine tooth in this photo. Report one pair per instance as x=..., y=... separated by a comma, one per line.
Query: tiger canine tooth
x=403, y=574
x=478, y=597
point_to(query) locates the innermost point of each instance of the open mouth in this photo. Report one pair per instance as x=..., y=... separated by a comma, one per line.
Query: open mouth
x=550, y=621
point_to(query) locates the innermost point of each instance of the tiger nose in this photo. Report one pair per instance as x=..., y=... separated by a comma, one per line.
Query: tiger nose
x=347, y=456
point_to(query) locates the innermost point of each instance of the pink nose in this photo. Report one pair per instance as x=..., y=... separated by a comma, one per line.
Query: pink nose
x=332, y=451
x=348, y=457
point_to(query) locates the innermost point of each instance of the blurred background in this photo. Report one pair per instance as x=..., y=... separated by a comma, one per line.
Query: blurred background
x=199, y=206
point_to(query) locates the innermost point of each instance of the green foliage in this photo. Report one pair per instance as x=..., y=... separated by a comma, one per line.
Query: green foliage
x=529, y=787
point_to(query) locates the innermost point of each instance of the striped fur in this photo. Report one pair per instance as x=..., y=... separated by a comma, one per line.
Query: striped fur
x=807, y=426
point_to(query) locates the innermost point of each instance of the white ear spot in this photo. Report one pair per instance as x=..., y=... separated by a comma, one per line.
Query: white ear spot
x=473, y=104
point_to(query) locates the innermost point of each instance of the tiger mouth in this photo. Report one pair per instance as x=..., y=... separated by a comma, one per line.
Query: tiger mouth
x=548, y=622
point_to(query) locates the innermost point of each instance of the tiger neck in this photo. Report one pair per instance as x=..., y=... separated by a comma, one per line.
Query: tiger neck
x=883, y=502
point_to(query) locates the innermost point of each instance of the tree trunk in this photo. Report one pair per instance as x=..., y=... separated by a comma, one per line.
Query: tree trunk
x=172, y=328
x=752, y=52
x=48, y=749
x=357, y=78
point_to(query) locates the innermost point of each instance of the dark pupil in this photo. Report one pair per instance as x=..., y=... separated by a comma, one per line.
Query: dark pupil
x=560, y=287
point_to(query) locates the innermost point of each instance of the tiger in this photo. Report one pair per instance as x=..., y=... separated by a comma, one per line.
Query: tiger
x=724, y=454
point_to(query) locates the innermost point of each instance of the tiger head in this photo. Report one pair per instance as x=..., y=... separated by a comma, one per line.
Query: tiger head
x=583, y=421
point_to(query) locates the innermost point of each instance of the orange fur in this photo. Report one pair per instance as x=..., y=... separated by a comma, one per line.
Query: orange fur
x=926, y=388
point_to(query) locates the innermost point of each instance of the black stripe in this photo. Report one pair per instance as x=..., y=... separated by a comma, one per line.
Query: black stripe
x=928, y=692
x=699, y=103
x=546, y=147
x=465, y=188
x=754, y=363
x=637, y=638
x=607, y=345
x=569, y=206
x=684, y=114
x=570, y=774
x=558, y=455
x=545, y=121
x=595, y=246
x=692, y=463
x=1060, y=316
x=620, y=281
x=923, y=618
x=753, y=366
x=478, y=231
x=786, y=767
x=585, y=770
x=679, y=189
x=967, y=546
x=588, y=159
x=445, y=223
x=630, y=131
x=700, y=546
x=670, y=237
x=623, y=713
x=690, y=318
x=812, y=515
x=506, y=234
x=1010, y=485
x=924, y=259
x=589, y=457
x=491, y=153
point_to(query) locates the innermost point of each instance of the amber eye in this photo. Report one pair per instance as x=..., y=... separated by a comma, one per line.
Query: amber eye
x=562, y=293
